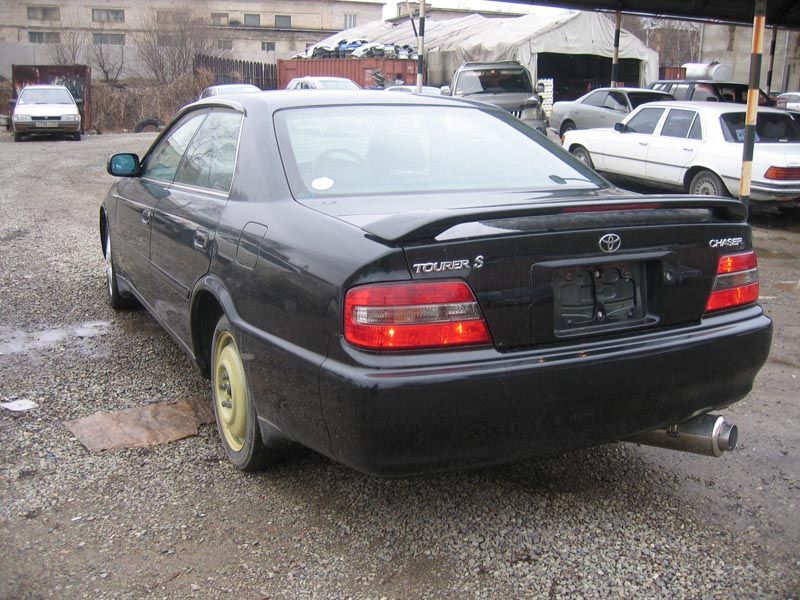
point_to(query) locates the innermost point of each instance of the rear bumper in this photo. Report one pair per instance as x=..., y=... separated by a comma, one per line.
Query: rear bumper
x=776, y=192
x=504, y=407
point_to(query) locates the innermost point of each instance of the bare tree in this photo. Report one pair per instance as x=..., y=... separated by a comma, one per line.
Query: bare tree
x=69, y=49
x=108, y=58
x=169, y=42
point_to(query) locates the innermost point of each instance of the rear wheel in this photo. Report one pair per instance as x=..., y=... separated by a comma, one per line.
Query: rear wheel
x=235, y=413
x=76, y=136
x=582, y=154
x=116, y=299
x=567, y=126
x=706, y=183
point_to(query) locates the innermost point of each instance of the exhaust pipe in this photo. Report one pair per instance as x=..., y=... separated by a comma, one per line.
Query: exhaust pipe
x=709, y=435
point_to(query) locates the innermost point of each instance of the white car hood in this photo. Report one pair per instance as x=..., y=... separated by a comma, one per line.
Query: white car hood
x=46, y=110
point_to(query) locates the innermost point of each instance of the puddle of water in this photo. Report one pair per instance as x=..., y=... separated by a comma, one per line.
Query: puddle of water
x=18, y=341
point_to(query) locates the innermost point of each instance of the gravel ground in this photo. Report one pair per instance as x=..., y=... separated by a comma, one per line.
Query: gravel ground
x=177, y=521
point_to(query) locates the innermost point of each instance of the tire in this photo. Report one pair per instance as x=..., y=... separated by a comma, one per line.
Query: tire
x=567, y=126
x=116, y=299
x=790, y=211
x=76, y=136
x=235, y=413
x=706, y=183
x=148, y=125
x=582, y=154
x=17, y=137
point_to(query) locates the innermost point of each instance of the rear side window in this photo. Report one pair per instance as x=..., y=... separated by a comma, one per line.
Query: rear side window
x=211, y=157
x=645, y=120
x=680, y=91
x=639, y=98
x=164, y=159
x=616, y=101
x=678, y=123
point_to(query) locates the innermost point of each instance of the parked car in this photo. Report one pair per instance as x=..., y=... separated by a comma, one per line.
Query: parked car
x=506, y=84
x=322, y=83
x=409, y=286
x=602, y=107
x=707, y=90
x=427, y=90
x=46, y=109
x=788, y=101
x=696, y=147
x=229, y=88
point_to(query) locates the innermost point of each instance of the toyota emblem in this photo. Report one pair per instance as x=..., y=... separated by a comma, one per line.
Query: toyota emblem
x=610, y=242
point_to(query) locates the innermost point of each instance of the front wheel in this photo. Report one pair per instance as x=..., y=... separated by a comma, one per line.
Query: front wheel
x=706, y=183
x=582, y=154
x=233, y=407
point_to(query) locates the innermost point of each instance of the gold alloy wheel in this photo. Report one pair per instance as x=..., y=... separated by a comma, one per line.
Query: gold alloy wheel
x=230, y=391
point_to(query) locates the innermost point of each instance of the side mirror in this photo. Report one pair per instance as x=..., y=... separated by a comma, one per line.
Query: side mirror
x=532, y=102
x=621, y=127
x=123, y=165
x=445, y=90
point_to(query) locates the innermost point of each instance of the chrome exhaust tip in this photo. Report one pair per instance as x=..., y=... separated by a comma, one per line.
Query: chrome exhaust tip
x=708, y=435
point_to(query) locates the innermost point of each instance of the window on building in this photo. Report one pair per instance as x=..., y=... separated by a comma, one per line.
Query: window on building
x=108, y=15
x=164, y=17
x=44, y=13
x=44, y=37
x=225, y=44
x=349, y=21
x=166, y=40
x=268, y=46
x=108, y=39
x=283, y=21
x=252, y=20
x=219, y=18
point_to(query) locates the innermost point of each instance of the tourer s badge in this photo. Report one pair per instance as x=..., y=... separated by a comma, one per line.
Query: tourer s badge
x=448, y=265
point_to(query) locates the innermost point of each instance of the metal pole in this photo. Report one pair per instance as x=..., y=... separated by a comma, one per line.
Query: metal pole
x=759, y=20
x=421, y=49
x=771, y=58
x=615, y=59
x=785, y=77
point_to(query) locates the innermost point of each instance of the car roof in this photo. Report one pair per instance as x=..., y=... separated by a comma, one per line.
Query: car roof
x=479, y=66
x=279, y=99
x=711, y=81
x=45, y=86
x=709, y=107
x=324, y=78
x=629, y=89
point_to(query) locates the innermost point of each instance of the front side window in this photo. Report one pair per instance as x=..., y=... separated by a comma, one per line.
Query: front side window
x=678, y=123
x=616, y=101
x=108, y=15
x=644, y=121
x=44, y=13
x=211, y=157
x=283, y=21
x=163, y=161
x=384, y=150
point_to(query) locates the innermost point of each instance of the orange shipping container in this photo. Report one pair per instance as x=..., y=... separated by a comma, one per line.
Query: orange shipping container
x=359, y=70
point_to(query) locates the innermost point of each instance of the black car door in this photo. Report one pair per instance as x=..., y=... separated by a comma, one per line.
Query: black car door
x=136, y=201
x=186, y=218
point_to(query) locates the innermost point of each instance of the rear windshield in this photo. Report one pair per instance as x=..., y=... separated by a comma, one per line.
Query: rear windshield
x=493, y=81
x=44, y=96
x=338, y=84
x=390, y=149
x=638, y=98
x=770, y=128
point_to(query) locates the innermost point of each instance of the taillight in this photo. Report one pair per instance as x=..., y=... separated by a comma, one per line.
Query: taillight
x=409, y=316
x=783, y=173
x=736, y=282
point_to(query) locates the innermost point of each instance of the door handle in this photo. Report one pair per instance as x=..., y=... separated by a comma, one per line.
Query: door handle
x=688, y=149
x=642, y=143
x=147, y=216
x=201, y=239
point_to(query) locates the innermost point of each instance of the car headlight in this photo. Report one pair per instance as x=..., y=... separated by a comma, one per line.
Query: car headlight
x=70, y=117
x=22, y=117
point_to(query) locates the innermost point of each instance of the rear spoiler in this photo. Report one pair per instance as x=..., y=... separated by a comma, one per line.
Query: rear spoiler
x=425, y=225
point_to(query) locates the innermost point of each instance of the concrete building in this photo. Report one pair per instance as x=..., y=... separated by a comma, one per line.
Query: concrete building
x=48, y=31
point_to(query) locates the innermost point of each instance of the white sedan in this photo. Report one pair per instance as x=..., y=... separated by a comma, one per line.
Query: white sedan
x=696, y=147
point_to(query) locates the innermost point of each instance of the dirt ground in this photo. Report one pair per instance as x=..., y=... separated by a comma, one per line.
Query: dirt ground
x=178, y=521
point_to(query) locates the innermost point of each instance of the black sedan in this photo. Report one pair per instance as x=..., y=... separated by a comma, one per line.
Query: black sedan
x=410, y=284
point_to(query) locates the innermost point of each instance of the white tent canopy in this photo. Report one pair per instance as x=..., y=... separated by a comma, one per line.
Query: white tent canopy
x=475, y=38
